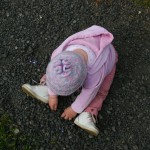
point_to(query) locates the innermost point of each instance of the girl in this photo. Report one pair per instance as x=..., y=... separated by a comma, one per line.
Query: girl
x=86, y=59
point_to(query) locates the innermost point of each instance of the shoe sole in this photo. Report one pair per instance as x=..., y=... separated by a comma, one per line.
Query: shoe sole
x=85, y=128
x=32, y=94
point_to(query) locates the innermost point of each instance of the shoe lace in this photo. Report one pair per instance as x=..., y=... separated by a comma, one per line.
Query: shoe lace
x=91, y=118
x=38, y=85
x=35, y=82
x=43, y=83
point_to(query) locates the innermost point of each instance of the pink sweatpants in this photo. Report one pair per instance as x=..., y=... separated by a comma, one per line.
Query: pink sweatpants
x=97, y=102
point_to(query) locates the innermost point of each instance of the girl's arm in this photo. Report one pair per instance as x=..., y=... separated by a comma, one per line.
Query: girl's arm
x=53, y=102
x=53, y=98
x=88, y=93
x=84, y=99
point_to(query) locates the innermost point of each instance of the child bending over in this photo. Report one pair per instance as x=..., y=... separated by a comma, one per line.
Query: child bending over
x=86, y=59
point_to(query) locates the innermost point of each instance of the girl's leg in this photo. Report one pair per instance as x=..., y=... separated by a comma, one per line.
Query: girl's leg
x=97, y=102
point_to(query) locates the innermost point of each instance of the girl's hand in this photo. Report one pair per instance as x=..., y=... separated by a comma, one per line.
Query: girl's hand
x=68, y=113
x=53, y=102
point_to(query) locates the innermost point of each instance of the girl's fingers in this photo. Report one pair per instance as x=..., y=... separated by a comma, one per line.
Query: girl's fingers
x=66, y=117
x=55, y=107
x=63, y=115
x=51, y=107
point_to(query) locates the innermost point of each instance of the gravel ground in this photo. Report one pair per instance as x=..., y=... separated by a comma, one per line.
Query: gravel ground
x=31, y=29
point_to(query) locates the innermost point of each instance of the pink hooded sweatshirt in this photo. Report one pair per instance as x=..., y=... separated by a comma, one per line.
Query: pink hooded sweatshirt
x=99, y=40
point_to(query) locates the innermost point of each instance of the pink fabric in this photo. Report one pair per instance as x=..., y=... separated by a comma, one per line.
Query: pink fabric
x=97, y=102
x=93, y=83
x=99, y=40
x=95, y=37
x=66, y=73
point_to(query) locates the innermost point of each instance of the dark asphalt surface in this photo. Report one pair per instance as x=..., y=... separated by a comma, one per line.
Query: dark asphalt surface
x=31, y=29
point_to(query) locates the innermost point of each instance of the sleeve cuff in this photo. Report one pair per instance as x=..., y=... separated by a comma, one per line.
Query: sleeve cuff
x=51, y=93
x=76, y=108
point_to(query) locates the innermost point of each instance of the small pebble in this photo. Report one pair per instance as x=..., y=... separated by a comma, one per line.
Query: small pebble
x=4, y=78
x=18, y=59
x=105, y=131
x=90, y=136
x=74, y=21
x=108, y=112
x=20, y=15
x=70, y=137
x=16, y=131
x=135, y=147
x=13, y=74
x=125, y=147
x=108, y=139
x=7, y=14
x=114, y=129
x=119, y=123
x=100, y=117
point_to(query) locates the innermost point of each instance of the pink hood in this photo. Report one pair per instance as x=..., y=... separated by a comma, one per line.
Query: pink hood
x=97, y=39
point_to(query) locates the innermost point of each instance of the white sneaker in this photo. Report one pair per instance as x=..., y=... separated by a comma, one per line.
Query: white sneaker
x=87, y=122
x=39, y=92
